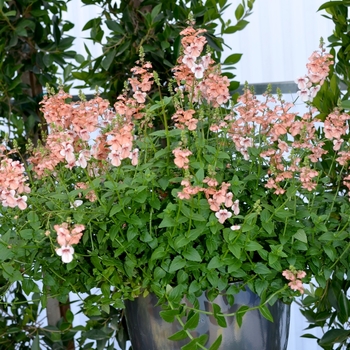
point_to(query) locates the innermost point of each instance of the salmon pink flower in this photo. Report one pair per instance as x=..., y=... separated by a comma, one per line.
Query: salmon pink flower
x=134, y=156
x=140, y=97
x=21, y=202
x=297, y=285
x=181, y=157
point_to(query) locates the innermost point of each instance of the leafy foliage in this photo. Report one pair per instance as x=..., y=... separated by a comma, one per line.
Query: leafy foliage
x=327, y=302
x=155, y=26
x=23, y=323
x=32, y=45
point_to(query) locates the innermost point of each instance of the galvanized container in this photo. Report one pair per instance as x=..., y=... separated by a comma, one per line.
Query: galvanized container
x=148, y=331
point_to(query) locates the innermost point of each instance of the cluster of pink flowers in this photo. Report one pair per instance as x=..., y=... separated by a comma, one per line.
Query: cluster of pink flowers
x=273, y=120
x=318, y=70
x=12, y=182
x=184, y=119
x=218, y=199
x=66, y=237
x=85, y=134
x=71, y=128
x=201, y=78
x=90, y=195
x=295, y=278
x=85, y=131
x=181, y=157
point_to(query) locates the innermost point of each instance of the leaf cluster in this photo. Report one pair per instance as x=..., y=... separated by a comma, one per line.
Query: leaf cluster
x=33, y=44
x=123, y=29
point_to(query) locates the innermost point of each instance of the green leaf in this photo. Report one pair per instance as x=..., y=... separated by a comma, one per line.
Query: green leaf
x=5, y=253
x=115, y=209
x=158, y=253
x=156, y=11
x=107, y=61
x=26, y=234
x=214, y=263
x=167, y=222
x=200, y=175
x=66, y=72
x=114, y=26
x=266, y=312
x=301, y=236
x=283, y=214
x=181, y=241
x=197, y=217
x=195, y=286
x=33, y=220
x=106, y=289
x=261, y=269
x=177, y=264
x=261, y=286
x=10, y=13
x=192, y=254
x=79, y=58
x=168, y=315
x=345, y=104
x=123, y=47
x=192, y=322
x=252, y=246
x=13, y=41
x=29, y=286
x=218, y=316
x=268, y=226
x=217, y=343
x=330, y=251
x=180, y=335
x=239, y=12
x=233, y=59
x=240, y=313
x=334, y=336
x=36, y=344
x=236, y=250
x=331, y=4
x=96, y=334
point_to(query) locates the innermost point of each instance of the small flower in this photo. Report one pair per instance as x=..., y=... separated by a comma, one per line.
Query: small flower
x=140, y=97
x=304, y=95
x=301, y=274
x=198, y=70
x=189, y=61
x=296, y=285
x=21, y=202
x=235, y=227
x=66, y=252
x=134, y=156
x=302, y=82
x=235, y=207
x=77, y=203
x=289, y=275
x=228, y=200
x=223, y=215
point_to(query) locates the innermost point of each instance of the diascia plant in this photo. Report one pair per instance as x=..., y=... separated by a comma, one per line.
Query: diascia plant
x=221, y=191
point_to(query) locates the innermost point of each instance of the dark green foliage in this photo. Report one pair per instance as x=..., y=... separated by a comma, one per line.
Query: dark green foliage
x=155, y=26
x=32, y=46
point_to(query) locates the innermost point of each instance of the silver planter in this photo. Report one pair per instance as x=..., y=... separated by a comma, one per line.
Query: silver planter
x=148, y=331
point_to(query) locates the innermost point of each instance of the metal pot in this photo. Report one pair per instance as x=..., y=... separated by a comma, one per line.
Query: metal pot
x=148, y=331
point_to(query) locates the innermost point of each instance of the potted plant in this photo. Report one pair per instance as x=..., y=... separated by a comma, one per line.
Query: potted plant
x=179, y=195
